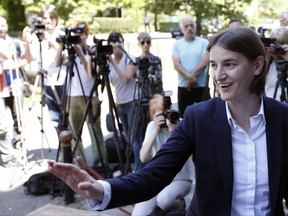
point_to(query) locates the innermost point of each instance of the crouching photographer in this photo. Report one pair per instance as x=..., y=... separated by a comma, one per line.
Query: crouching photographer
x=73, y=49
x=174, y=196
x=277, y=56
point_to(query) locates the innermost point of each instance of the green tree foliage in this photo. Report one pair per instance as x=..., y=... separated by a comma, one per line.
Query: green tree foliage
x=211, y=15
x=14, y=13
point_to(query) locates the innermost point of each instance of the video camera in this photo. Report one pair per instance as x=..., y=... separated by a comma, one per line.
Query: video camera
x=68, y=38
x=151, y=72
x=278, y=50
x=37, y=26
x=169, y=113
x=100, y=52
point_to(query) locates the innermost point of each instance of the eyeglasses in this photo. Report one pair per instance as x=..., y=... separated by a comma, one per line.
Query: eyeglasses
x=147, y=42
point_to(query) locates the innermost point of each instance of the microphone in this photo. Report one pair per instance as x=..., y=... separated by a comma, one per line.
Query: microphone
x=120, y=46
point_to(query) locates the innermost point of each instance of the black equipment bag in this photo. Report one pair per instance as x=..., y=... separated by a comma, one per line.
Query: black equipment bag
x=43, y=183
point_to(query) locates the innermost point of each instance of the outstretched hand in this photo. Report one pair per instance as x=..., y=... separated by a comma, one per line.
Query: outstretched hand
x=78, y=180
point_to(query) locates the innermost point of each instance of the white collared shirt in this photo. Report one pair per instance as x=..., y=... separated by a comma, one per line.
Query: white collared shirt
x=250, y=167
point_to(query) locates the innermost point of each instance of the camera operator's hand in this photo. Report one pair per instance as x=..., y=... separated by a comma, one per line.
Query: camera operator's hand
x=272, y=50
x=158, y=119
x=26, y=34
x=285, y=48
x=284, y=19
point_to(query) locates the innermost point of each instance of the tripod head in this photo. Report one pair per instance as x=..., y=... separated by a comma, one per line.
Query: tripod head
x=282, y=69
x=150, y=74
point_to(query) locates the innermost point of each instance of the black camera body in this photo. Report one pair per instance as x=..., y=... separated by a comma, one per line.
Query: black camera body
x=37, y=26
x=278, y=49
x=99, y=55
x=150, y=72
x=68, y=38
x=102, y=50
x=172, y=115
x=169, y=113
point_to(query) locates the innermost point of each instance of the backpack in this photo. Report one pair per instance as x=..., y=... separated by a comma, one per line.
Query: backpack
x=44, y=183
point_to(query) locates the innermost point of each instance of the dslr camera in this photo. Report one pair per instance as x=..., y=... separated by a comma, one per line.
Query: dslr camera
x=169, y=113
x=69, y=38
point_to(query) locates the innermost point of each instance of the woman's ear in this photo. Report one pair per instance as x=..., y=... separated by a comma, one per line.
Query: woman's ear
x=259, y=64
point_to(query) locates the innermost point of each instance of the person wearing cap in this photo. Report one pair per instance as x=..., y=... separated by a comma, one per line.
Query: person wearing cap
x=122, y=70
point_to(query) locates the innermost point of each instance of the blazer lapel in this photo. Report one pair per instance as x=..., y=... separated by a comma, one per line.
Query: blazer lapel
x=222, y=131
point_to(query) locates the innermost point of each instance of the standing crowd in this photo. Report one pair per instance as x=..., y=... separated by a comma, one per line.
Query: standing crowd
x=240, y=169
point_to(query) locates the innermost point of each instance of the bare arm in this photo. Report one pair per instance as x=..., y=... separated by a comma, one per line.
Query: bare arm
x=78, y=180
x=58, y=56
x=179, y=68
x=146, y=149
x=204, y=62
x=81, y=55
x=124, y=75
x=27, y=37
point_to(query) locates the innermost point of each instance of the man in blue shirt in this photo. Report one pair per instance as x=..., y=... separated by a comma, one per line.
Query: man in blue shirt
x=186, y=55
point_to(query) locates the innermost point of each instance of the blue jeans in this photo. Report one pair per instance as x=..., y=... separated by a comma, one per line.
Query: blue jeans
x=128, y=119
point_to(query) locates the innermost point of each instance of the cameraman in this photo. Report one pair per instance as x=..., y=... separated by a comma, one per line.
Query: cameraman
x=275, y=52
x=41, y=46
x=78, y=91
x=173, y=196
x=122, y=71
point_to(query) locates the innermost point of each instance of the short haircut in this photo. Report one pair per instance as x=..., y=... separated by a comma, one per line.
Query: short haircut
x=236, y=20
x=245, y=41
x=187, y=18
x=51, y=10
x=115, y=36
x=144, y=36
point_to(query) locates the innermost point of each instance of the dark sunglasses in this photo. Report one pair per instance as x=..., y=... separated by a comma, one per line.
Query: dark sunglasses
x=147, y=42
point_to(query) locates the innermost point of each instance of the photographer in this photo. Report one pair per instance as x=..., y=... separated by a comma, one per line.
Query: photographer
x=78, y=91
x=41, y=46
x=278, y=51
x=172, y=197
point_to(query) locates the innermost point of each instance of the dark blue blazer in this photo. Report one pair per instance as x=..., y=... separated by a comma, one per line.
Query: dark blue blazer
x=205, y=133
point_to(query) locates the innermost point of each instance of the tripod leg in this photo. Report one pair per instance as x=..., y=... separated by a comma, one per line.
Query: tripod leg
x=36, y=83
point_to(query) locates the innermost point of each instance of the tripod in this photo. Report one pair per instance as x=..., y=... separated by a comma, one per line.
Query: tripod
x=282, y=69
x=283, y=84
x=104, y=71
x=74, y=98
x=41, y=75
